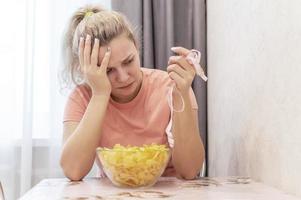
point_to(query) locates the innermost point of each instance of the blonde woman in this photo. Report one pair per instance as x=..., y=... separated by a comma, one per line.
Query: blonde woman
x=115, y=101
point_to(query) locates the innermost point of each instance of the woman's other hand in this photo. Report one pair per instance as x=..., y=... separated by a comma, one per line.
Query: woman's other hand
x=95, y=76
x=180, y=70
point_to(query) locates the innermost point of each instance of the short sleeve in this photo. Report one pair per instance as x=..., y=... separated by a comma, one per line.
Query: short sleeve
x=75, y=106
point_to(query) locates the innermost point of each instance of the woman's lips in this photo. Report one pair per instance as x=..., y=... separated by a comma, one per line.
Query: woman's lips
x=127, y=86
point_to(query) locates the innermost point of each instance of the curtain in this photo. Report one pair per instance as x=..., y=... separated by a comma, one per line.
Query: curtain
x=32, y=103
x=162, y=24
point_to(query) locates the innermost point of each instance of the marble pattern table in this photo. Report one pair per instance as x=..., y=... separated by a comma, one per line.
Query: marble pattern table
x=166, y=188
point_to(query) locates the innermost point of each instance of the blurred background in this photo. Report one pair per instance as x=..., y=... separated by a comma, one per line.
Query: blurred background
x=249, y=110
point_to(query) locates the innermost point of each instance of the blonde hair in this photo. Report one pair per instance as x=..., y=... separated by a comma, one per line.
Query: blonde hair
x=98, y=23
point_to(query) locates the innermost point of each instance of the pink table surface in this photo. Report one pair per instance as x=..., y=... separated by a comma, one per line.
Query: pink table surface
x=166, y=188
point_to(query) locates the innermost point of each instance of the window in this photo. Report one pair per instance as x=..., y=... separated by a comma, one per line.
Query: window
x=30, y=45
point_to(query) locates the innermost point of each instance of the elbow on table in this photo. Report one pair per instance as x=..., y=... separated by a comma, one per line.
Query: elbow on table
x=190, y=175
x=74, y=176
x=72, y=173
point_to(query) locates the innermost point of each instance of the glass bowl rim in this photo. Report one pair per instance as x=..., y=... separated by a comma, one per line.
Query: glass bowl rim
x=130, y=150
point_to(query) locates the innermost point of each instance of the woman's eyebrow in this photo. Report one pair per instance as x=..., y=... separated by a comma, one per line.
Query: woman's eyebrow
x=124, y=60
x=128, y=57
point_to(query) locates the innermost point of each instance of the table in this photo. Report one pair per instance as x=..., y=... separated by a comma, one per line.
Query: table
x=166, y=188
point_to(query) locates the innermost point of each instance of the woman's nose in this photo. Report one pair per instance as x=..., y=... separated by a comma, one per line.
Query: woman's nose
x=123, y=75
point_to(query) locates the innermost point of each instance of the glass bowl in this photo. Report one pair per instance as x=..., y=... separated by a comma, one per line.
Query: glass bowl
x=134, y=166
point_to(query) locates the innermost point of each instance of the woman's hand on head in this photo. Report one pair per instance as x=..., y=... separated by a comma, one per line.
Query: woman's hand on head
x=180, y=70
x=95, y=76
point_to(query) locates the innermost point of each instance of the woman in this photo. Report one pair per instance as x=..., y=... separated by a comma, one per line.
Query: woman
x=117, y=101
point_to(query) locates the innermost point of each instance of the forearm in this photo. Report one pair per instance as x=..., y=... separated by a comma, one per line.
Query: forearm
x=188, y=152
x=78, y=152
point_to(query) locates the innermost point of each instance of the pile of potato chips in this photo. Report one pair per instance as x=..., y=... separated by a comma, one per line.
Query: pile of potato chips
x=134, y=166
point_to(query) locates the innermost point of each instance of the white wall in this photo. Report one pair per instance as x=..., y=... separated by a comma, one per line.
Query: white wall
x=254, y=69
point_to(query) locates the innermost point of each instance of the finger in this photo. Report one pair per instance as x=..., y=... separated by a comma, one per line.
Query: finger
x=80, y=53
x=173, y=58
x=177, y=78
x=177, y=69
x=181, y=61
x=94, y=54
x=180, y=51
x=87, y=51
x=189, y=61
x=106, y=59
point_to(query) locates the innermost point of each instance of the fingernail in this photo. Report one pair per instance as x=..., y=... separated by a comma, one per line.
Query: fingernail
x=81, y=39
x=96, y=40
x=174, y=48
x=108, y=49
x=88, y=37
x=189, y=61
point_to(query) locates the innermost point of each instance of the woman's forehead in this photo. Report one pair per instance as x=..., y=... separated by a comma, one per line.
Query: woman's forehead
x=121, y=48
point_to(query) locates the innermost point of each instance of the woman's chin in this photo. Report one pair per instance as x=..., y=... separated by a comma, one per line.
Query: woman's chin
x=124, y=96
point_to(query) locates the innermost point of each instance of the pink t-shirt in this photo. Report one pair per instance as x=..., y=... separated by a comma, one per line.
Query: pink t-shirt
x=141, y=121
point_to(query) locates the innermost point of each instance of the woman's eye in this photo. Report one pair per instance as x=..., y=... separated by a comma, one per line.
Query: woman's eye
x=128, y=62
x=109, y=70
